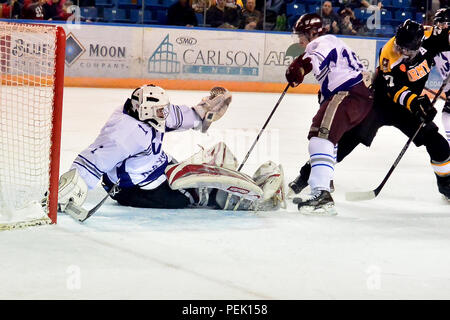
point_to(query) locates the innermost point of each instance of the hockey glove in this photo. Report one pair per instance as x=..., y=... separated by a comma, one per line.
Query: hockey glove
x=72, y=188
x=213, y=107
x=422, y=108
x=297, y=70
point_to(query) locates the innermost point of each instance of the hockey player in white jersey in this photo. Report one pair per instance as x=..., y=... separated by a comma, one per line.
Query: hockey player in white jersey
x=128, y=152
x=441, y=21
x=344, y=102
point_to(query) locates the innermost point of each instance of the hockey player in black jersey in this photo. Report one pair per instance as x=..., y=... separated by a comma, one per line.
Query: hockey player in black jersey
x=404, y=66
x=442, y=21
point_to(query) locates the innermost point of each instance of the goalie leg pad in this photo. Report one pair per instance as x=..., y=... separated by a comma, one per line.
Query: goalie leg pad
x=185, y=176
x=218, y=155
x=228, y=201
x=270, y=178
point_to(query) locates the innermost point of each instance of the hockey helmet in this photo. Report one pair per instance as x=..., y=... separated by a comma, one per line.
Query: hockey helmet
x=408, y=38
x=409, y=35
x=442, y=16
x=149, y=103
x=309, y=24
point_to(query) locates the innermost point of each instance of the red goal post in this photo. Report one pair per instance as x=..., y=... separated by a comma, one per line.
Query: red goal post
x=31, y=94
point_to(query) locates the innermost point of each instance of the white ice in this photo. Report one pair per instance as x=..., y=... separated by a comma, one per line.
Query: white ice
x=394, y=247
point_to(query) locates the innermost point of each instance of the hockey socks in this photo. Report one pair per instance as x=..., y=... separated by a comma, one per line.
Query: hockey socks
x=322, y=158
x=446, y=122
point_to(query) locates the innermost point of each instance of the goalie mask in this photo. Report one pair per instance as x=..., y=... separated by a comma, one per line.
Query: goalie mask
x=149, y=103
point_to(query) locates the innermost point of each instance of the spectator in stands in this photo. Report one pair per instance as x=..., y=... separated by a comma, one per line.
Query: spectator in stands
x=346, y=25
x=251, y=23
x=200, y=6
x=215, y=15
x=276, y=15
x=33, y=9
x=226, y=25
x=354, y=4
x=233, y=14
x=330, y=18
x=251, y=15
x=52, y=10
x=10, y=9
x=66, y=12
x=181, y=14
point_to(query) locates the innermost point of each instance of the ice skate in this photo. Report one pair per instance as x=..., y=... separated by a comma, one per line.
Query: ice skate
x=444, y=186
x=298, y=184
x=320, y=203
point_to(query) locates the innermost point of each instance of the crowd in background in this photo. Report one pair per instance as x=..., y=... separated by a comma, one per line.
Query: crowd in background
x=36, y=9
x=338, y=15
x=218, y=14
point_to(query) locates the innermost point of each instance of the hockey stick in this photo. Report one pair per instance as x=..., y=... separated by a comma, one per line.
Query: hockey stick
x=264, y=127
x=434, y=93
x=81, y=214
x=368, y=195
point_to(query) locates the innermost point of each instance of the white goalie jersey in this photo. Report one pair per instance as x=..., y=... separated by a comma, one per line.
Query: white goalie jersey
x=131, y=150
x=336, y=67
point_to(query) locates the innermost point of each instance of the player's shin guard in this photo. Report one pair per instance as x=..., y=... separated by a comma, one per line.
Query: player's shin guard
x=322, y=159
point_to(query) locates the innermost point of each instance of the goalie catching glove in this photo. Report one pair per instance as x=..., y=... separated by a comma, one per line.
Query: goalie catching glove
x=213, y=107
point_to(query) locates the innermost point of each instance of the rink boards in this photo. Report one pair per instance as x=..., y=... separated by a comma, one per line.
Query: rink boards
x=126, y=56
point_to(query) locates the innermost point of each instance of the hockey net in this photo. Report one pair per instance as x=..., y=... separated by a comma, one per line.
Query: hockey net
x=32, y=71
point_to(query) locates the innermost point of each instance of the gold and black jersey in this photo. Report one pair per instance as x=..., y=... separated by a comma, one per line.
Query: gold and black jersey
x=401, y=80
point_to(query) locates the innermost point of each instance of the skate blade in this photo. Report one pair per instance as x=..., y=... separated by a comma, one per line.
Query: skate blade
x=329, y=210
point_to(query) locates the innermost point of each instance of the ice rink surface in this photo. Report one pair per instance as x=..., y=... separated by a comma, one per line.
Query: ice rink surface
x=394, y=247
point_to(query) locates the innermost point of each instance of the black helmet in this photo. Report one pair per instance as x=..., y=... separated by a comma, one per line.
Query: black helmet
x=442, y=16
x=409, y=35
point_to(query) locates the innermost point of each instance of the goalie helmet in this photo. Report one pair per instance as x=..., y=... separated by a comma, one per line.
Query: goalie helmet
x=149, y=104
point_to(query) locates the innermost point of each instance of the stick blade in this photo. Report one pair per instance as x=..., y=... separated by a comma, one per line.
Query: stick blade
x=78, y=213
x=360, y=196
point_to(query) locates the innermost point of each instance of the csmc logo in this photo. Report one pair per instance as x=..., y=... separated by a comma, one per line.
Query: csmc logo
x=187, y=41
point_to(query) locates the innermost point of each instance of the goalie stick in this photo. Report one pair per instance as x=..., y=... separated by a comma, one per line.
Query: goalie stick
x=81, y=214
x=264, y=126
x=369, y=195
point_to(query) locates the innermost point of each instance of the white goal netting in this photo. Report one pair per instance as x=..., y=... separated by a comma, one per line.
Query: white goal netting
x=27, y=65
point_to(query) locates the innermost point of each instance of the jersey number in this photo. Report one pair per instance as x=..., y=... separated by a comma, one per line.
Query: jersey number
x=390, y=80
x=349, y=60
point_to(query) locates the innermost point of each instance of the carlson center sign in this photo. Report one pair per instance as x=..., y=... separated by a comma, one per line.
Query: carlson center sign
x=189, y=55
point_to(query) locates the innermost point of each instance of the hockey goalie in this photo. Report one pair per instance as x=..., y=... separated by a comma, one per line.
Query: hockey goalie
x=127, y=157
